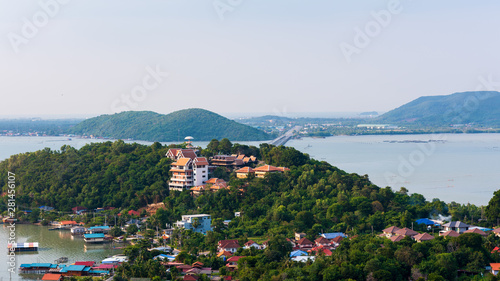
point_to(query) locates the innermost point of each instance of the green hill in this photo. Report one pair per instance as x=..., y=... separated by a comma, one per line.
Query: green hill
x=201, y=124
x=480, y=108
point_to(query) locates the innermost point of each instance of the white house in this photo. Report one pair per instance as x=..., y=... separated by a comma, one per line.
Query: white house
x=198, y=223
x=250, y=244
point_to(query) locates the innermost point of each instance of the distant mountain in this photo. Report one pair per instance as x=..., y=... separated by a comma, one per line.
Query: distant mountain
x=480, y=108
x=202, y=125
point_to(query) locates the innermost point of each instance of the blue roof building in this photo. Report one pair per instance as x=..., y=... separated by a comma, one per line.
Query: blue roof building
x=76, y=268
x=298, y=253
x=427, y=222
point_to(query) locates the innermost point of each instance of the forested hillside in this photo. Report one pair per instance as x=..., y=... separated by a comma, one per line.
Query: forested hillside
x=313, y=197
x=479, y=108
x=99, y=174
x=201, y=124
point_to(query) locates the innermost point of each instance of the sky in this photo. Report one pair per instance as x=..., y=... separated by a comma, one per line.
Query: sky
x=241, y=57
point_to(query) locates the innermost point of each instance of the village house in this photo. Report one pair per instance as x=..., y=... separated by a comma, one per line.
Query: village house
x=476, y=230
x=93, y=238
x=262, y=171
x=423, y=237
x=298, y=253
x=226, y=161
x=65, y=224
x=187, y=172
x=230, y=246
x=322, y=242
x=305, y=243
x=457, y=226
x=496, y=231
x=336, y=241
x=397, y=238
x=405, y=232
x=99, y=229
x=52, y=277
x=299, y=235
x=78, y=210
x=449, y=233
x=76, y=230
x=495, y=268
x=232, y=263
x=224, y=255
x=251, y=244
x=75, y=270
x=390, y=231
x=198, y=223
x=244, y=172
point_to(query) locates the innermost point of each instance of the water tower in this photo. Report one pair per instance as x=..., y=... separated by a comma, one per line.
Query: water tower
x=189, y=141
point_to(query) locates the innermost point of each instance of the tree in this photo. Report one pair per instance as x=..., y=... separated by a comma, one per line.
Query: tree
x=132, y=229
x=304, y=220
x=213, y=145
x=225, y=146
x=116, y=231
x=493, y=208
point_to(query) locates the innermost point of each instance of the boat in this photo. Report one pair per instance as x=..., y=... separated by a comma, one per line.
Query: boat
x=9, y=219
x=61, y=260
x=119, y=240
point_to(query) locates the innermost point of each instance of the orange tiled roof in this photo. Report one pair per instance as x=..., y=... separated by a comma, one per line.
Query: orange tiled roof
x=198, y=188
x=476, y=230
x=187, y=153
x=495, y=266
x=397, y=238
x=423, y=237
x=391, y=229
x=52, y=276
x=266, y=168
x=450, y=233
x=201, y=161
x=304, y=241
x=224, y=253
x=406, y=232
x=322, y=240
x=241, y=156
x=215, y=180
x=245, y=170
x=181, y=162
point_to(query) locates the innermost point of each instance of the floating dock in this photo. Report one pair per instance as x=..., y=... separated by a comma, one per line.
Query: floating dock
x=23, y=247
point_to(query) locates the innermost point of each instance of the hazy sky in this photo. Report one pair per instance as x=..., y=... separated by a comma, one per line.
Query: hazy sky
x=94, y=57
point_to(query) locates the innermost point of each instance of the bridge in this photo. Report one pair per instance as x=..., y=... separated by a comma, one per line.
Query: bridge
x=281, y=140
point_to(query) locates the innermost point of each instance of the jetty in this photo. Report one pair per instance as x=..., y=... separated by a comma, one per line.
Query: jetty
x=23, y=247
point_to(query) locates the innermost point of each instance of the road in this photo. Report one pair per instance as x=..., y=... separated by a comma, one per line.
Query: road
x=281, y=140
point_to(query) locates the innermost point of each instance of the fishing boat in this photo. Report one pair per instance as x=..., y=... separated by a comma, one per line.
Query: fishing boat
x=61, y=260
